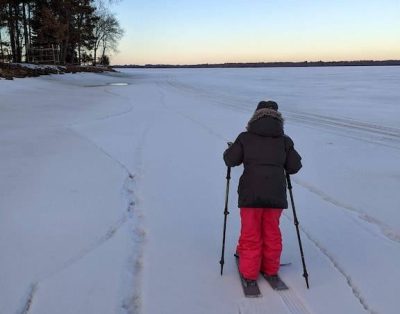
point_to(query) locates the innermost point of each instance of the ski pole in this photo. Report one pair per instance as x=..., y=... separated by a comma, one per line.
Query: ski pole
x=296, y=223
x=226, y=213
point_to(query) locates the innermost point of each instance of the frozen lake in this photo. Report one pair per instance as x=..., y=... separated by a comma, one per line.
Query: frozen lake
x=113, y=190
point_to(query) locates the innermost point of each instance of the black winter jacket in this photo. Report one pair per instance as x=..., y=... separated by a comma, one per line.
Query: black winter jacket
x=266, y=153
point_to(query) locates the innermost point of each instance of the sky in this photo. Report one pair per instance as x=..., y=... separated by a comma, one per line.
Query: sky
x=218, y=31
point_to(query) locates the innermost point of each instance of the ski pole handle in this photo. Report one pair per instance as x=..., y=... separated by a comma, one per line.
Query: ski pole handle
x=289, y=182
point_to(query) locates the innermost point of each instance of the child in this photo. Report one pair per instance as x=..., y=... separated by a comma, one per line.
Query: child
x=266, y=153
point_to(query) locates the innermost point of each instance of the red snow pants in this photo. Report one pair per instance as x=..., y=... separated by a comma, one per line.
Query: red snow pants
x=260, y=242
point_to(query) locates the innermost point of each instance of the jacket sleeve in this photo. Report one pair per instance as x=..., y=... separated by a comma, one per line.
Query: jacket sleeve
x=233, y=156
x=293, y=158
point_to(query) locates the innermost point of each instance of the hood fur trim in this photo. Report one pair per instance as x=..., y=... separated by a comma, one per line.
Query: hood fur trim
x=265, y=112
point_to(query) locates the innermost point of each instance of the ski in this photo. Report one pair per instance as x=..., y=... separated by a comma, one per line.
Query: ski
x=275, y=282
x=250, y=290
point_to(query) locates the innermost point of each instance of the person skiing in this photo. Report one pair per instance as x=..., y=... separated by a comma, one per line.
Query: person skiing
x=266, y=153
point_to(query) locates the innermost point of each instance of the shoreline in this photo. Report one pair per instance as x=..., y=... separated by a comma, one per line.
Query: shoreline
x=9, y=71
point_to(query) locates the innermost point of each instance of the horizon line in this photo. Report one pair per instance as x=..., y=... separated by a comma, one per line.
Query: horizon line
x=268, y=63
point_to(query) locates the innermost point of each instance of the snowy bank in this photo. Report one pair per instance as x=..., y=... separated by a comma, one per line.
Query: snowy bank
x=10, y=71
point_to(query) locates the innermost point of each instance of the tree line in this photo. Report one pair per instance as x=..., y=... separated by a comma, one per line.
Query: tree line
x=58, y=31
x=271, y=64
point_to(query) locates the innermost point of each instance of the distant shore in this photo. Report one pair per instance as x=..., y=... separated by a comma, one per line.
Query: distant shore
x=266, y=64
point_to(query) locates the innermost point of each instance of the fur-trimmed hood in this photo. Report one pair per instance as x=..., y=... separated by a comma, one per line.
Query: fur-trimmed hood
x=266, y=122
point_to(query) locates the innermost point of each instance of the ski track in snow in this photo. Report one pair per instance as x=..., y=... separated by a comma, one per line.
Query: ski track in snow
x=254, y=306
x=132, y=298
x=290, y=301
x=218, y=98
x=368, y=132
x=131, y=302
x=202, y=125
x=125, y=100
x=351, y=128
x=336, y=265
x=74, y=259
x=28, y=299
x=388, y=232
x=95, y=245
x=197, y=122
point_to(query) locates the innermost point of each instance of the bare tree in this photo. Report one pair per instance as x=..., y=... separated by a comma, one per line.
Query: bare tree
x=113, y=35
x=107, y=33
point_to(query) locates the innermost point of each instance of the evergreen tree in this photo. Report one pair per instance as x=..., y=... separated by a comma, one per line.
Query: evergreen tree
x=3, y=25
x=66, y=27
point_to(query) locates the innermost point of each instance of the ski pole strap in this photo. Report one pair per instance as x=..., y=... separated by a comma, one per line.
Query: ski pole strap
x=228, y=173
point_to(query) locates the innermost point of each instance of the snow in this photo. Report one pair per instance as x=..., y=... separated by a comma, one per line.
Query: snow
x=113, y=190
x=40, y=66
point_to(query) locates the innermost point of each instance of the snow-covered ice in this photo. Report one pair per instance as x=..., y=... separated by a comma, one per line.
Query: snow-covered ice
x=113, y=188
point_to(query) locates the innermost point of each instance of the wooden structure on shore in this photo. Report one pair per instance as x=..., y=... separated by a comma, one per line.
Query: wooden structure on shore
x=47, y=54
